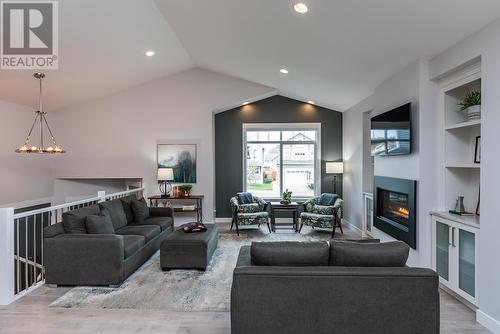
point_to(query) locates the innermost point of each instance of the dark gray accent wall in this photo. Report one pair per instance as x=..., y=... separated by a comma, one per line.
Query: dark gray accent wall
x=276, y=109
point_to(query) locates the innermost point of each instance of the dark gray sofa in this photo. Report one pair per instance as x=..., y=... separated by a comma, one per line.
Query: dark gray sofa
x=308, y=290
x=73, y=257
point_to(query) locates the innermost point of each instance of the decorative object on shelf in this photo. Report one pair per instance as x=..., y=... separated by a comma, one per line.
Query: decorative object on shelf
x=477, y=151
x=287, y=197
x=185, y=189
x=164, y=176
x=181, y=158
x=334, y=168
x=478, y=202
x=460, y=208
x=40, y=119
x=472, y=104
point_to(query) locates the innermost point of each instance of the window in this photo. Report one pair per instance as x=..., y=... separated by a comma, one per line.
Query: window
x=279, y=157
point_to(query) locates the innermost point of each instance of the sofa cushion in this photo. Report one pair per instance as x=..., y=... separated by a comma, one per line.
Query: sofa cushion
x=99, y=224
x=127, y=207
x=290, y=253
x=140, y=210
x=114, y=209
x=163, y=222
x=362, y=254
x=148, y=231
x=132, y=243
x=74, y=221
x=322, y=209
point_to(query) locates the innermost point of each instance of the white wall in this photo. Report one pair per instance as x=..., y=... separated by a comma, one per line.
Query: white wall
x=486, y=45
x=401, y=88
x=116, y=136
x=23, y=177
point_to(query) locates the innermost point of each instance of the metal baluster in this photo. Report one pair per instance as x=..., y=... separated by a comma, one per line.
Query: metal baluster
x=18, y=278
x=26, y=253
x=34, y=250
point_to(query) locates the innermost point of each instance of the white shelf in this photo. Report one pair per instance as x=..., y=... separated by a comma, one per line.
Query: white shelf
x=460, y=165
x=461, y=125
x=472, y=221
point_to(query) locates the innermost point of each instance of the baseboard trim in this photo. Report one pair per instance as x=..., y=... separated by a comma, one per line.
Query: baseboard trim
x=220, y=220
x=352, y=227
x=487, y=321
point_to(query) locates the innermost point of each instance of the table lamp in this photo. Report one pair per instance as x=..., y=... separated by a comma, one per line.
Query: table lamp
x=164, y=176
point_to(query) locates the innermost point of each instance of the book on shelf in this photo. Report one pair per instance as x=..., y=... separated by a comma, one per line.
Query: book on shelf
x=465, y=213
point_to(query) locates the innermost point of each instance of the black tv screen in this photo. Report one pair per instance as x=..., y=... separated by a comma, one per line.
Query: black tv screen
x=391, y=132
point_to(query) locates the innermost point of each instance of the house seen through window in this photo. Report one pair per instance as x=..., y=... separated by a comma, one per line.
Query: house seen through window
x=280, y=157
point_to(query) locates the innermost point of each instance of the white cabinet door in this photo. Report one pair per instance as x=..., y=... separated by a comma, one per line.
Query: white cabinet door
x=368, y=214
x=455, y=256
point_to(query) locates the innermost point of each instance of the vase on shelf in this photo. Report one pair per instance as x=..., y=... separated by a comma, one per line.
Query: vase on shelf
x=473, y=112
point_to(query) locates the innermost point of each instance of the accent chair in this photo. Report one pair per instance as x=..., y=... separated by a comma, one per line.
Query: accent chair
x=324, y=211
x=253, y=213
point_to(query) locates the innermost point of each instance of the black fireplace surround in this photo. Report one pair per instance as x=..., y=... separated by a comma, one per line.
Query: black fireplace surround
x=396, y=207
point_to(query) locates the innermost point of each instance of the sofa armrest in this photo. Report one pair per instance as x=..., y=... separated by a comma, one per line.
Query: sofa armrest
x=161, y=212
x=84, y=259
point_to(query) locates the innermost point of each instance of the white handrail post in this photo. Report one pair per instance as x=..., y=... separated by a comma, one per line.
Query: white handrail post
x=102, y=195
x=7, y=282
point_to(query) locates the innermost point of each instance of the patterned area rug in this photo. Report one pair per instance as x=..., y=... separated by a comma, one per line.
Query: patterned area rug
x=183, y=290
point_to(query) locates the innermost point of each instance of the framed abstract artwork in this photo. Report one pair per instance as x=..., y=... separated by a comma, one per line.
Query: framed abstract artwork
x=181, y=158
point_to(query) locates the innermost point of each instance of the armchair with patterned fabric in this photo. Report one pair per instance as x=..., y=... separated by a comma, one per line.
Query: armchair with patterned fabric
x=324, y=211
x=254, y=212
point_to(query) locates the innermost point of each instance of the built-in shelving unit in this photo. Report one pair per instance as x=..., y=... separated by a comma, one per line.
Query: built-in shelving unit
x=454, y=237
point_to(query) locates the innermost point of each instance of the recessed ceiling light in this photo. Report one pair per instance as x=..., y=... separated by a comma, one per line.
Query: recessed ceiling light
x=311, y=102
x=245, y=103
x=150, y=53
x=284, y=71
x=300, y=8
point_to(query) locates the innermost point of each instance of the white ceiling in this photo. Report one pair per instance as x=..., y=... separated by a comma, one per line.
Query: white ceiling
x=337, y=53
x=101, y=46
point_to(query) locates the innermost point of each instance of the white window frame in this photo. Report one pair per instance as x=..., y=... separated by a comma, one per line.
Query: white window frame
x=285, y=127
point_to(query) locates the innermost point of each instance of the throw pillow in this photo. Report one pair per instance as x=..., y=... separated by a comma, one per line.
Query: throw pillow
x=114, y=209
x=74, y=221
x=359, y=254
x=140, y=209
x=99, y=224
x=328, y=199
x=244, y=198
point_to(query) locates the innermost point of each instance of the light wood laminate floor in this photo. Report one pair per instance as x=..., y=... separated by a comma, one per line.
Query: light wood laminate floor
x=31, y=314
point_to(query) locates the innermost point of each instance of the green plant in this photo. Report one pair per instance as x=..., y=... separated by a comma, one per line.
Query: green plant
x=287, y=196
x=185, y=187
x=472, y=98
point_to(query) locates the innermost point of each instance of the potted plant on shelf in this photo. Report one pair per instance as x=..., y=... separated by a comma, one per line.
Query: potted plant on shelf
x=471, y=104
x=287, y=197
x=185, y=189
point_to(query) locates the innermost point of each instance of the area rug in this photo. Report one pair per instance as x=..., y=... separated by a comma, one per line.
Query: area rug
x=180, y=290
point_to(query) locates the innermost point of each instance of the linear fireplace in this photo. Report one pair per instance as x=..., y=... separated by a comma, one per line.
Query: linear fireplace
x=395, y=208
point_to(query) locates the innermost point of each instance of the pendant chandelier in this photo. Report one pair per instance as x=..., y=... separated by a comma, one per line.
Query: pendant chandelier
x=40, y=120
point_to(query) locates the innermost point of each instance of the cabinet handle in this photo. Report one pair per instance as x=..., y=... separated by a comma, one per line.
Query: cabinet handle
x=450, y=235
x=453, y=237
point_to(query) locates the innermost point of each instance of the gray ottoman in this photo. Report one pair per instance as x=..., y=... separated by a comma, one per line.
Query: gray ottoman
x=182, y=250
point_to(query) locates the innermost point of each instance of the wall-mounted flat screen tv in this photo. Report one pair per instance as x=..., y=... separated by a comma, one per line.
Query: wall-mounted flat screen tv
x=391, y=132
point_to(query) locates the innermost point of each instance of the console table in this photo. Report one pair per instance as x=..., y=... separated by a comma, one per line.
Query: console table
x=198, y=199
x=292, y=207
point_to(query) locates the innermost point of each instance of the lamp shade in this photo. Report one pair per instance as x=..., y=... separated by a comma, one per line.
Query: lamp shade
x=165, y=174
x=334, y=168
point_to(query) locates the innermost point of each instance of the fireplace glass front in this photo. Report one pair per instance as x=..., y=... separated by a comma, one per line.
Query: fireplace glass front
x=393, y=206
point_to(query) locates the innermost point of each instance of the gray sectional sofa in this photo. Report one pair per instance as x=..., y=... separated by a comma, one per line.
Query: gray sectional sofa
x=341, y=287
x=73, y=256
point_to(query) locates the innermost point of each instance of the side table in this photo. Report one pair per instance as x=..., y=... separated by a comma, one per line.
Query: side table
x=292, y=207
x=198, y=199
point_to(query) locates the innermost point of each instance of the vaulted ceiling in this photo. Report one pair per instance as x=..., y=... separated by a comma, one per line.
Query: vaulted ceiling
x=336, y=54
